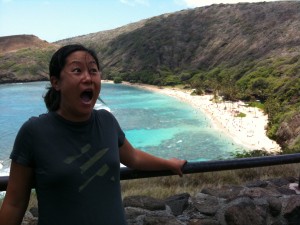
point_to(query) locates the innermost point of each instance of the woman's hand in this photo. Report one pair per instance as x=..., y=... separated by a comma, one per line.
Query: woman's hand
x=177, y=165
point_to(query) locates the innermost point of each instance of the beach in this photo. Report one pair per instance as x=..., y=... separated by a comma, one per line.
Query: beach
x=248, y=131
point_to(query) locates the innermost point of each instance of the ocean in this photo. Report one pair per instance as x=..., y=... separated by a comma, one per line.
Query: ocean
x=153, y=122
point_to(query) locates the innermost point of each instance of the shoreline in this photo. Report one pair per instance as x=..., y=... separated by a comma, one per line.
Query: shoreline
x=248, y=131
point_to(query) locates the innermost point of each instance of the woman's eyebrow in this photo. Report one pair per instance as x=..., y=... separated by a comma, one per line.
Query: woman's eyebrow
x=92, y=62
x=75, y=61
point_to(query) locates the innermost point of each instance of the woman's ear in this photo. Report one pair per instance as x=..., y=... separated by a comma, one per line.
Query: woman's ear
x=54, y=83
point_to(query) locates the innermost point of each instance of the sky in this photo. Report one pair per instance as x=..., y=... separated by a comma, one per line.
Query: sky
x=54, y=20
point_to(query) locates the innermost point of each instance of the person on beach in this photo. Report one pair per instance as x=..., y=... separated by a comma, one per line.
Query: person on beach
x=72, y=154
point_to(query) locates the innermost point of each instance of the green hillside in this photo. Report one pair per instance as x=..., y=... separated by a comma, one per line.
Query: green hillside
x=248, y=52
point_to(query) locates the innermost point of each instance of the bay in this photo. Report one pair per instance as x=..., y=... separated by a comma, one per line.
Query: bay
x=153, y=122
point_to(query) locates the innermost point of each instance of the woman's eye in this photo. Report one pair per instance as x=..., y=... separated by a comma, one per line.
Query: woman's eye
x=76, y=70
x=93, y=70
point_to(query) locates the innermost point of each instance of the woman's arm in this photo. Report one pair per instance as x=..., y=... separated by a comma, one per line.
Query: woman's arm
x=17, y=195
x=137, y=159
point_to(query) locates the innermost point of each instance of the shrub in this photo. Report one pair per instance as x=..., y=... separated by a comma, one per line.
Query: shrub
x=241, y=115
x=117, y=80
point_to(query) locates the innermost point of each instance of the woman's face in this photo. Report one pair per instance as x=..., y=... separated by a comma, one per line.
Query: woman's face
x=79, y=86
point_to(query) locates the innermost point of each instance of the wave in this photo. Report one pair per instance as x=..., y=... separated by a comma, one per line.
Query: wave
x=101, y=106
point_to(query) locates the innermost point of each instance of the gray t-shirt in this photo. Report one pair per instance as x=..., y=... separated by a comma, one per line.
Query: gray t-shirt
x=76, y=167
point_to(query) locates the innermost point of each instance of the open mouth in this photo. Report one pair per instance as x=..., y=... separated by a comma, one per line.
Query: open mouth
x=86, y=96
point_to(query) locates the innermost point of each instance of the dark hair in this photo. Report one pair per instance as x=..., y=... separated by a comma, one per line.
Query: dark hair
x=57, y=63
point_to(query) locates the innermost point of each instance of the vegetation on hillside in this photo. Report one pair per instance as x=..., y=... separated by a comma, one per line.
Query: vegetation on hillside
x=248, y=52
x=26, y=64
x=245, y=51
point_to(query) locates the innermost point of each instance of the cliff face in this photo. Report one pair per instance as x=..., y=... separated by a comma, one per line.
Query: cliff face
x=289, y=131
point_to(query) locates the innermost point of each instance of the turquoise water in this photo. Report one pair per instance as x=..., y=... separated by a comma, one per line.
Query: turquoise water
x=165, y=126
x=17, y=103
x=155, y=123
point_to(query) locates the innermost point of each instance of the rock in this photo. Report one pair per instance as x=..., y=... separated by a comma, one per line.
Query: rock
x=144, y=202
x=227, y=192
x=203, y=222
x=258, y=183
x=269, y=202
x=178, y=203
x=156, y=220
x=206, y=204
x=292, y=210
x=274, y=206
x=243, y=211
x=280, y=182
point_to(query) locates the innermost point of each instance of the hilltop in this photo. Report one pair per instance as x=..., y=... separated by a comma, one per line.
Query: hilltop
x=17, y=42
x=198, y=40
x=24, y=58
x=245, y=51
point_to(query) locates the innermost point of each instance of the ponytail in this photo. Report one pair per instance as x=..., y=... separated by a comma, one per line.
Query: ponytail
x=52, y=99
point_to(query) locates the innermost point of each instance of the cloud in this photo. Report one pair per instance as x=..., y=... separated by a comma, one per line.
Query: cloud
x=6, y=1
x=135, y=2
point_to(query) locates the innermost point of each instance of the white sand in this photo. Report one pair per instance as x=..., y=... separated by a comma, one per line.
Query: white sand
x=247, y=131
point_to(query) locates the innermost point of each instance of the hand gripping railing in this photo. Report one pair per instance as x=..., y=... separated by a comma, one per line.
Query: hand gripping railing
x=199, y=167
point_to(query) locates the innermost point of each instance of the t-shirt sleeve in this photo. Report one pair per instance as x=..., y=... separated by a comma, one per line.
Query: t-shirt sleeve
x=121, y=134
x=22, y=149
x=116, y=126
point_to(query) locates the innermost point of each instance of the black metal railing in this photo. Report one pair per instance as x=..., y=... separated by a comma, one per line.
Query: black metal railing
x=199, y=167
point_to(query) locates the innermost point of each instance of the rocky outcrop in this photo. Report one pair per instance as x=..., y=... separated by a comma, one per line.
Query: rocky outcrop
x=270, y=202
x=289, y=131
x=11, y=78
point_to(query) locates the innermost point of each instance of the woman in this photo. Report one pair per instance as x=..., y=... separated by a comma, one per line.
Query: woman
x=72, y=154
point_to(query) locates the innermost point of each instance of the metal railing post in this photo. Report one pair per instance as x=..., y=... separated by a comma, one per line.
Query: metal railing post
x=199, y=167
x=216, y=165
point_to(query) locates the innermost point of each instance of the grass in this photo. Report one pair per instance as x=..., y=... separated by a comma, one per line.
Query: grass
x=163, y=187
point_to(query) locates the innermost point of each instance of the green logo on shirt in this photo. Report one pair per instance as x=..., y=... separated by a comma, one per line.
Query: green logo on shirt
x=85, y=166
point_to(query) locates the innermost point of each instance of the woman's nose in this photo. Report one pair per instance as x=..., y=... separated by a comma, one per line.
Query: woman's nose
x=87, y=75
